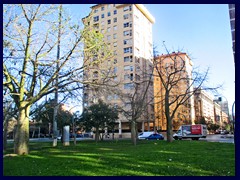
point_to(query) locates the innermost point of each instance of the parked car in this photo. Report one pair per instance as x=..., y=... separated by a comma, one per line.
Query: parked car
x=144, y=135
x=155, y=137
x=224, y=132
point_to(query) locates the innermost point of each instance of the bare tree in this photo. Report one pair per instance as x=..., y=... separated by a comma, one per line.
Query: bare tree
x=137, y=99
x=178, y=82
x=30, y=39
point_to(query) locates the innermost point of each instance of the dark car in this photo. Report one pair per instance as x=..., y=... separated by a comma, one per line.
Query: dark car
x=155, y=137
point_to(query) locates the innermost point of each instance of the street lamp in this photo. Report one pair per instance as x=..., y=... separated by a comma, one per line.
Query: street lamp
x=220, y=100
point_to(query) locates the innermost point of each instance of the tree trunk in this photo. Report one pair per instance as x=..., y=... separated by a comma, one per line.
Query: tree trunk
x=133, y=133
x=169, y=120
x=97, y=134
x=169, y=130
x=22, y=133
x=5, y=133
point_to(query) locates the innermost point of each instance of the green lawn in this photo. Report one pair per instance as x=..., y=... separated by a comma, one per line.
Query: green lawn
x=121, y=158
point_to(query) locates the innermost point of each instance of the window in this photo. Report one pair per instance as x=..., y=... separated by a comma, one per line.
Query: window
x=131, y=68
x=102, y=15
x=126, y=68
x=96, y=18
x=114, y=28
x=114, y=19
x=128, y=50
x=115, y=12
x=131, y=76
x=109, y=97
x=96, y=10
x=115, y=52
x=127, y=41
x=128, y=86
x=115, y=70
x=102, y=8
x=114, y=36
x=109, y=37
x=126, y=76
x=127, y=33
x=115, y=44
x=109, y=21
x=115, y=61
x=125, y=16
x=102, y=30
x=127, y=8
x=108, y=29
x=95, y=74
x=128, y=24
x=109, y=6
x=128, y=59
x=109, y=13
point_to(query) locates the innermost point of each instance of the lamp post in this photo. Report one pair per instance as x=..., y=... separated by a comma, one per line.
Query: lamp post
x=220, y=100
x=74, y=116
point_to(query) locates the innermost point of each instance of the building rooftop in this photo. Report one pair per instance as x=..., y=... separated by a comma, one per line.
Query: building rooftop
x=142, y=8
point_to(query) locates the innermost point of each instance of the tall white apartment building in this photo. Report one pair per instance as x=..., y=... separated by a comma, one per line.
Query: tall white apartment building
x=232, y=23
x=127, y=29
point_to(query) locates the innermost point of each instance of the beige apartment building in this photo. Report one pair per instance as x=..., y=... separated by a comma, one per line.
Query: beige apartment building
x=168, y=64
x=204, y=105
x=127, y=30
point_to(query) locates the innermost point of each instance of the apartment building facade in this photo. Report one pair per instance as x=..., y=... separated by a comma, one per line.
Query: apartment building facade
x=212, y=110
x=180, y=64
x=127, y=30
x=231, y=8
x=204, y=106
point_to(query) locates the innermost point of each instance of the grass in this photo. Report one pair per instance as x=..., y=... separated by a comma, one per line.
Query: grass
x=121, y=158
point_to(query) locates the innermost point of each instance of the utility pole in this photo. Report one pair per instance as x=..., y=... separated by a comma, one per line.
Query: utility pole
x=55, y=132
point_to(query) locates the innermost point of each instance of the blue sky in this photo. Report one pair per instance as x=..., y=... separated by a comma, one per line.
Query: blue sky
x=201, y=30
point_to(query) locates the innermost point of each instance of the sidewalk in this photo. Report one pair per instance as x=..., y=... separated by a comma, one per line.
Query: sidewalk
x=227, y=136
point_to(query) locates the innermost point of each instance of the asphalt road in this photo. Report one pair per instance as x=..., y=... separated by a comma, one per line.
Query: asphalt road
x=219, y=138
x=50, y=139
x=210, y=138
